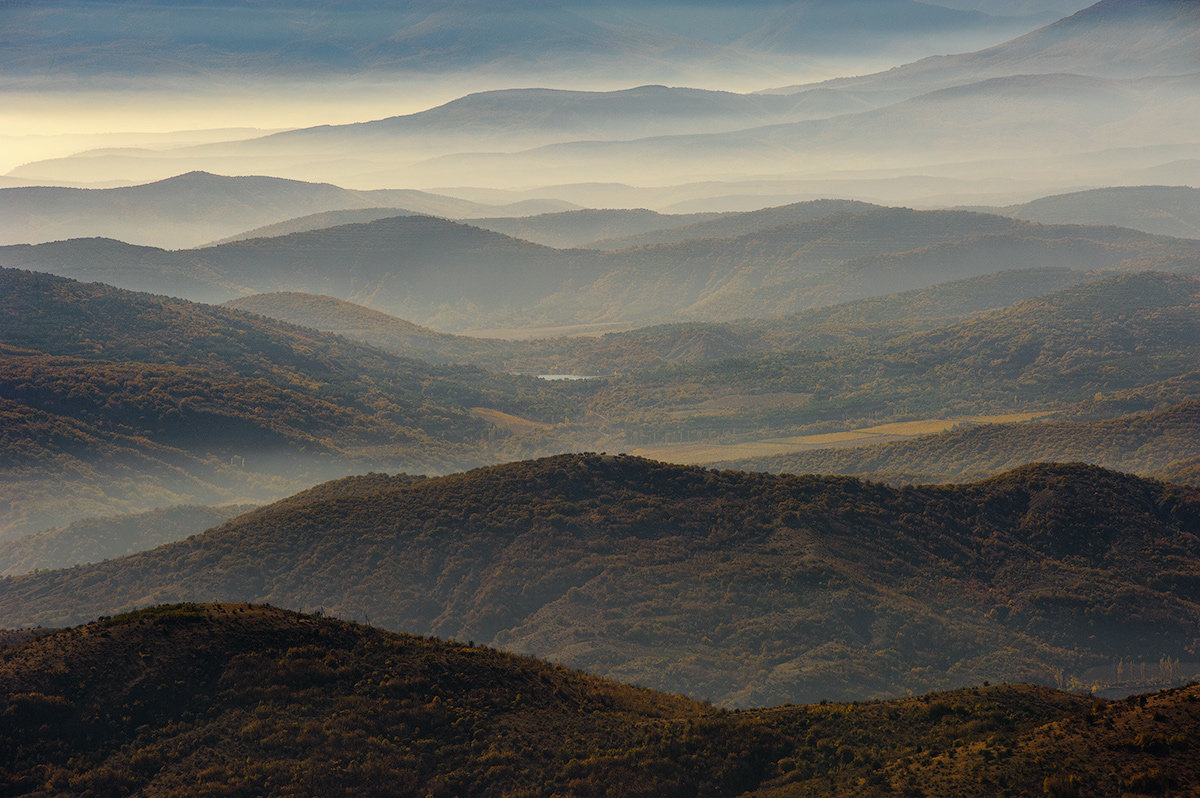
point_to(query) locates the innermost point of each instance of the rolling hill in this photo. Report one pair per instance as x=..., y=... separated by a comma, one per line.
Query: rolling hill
x=373, y=327
x=563, y=230
x=736, y=224
x=587, y=227
x=1066, y=347
x=746, y=588
x=312, y=704
x=195, y=208
x=1044, y=353
x=1165, y=210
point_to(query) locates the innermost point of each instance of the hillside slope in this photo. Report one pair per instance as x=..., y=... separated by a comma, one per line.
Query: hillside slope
x=1165, y=210
x=746, y=588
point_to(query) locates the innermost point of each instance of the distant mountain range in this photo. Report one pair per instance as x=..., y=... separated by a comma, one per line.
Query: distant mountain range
x=1103, y=96
x=457, y=277
x=1113, y=38
x=1013, y=119
x=745, y=588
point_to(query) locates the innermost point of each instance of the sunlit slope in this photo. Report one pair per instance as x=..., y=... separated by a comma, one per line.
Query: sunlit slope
x=746, y=588
x=1154, y=443
x=1044, y=353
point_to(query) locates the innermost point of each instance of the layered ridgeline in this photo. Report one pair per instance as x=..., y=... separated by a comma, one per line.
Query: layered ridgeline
x=118, y=402
x=115, y=401
x=1106, y=92
x=455, y=277
x=229, y=698
x=1103, y=91
x=744, y=588
x=440, y=51
x=1158, y=444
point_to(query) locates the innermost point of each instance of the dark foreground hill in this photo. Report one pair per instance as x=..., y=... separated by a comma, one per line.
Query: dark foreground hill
x=745, y=588
x=231, y=699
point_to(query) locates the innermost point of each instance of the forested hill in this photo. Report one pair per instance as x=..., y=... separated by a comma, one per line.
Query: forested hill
x=225, y=699
x=746, y=588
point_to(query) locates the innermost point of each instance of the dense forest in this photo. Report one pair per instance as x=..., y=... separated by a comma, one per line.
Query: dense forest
x=232, y=699
x=743, y=588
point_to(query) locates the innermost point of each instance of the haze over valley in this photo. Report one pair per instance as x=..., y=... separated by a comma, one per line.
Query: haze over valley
x=791, y=397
